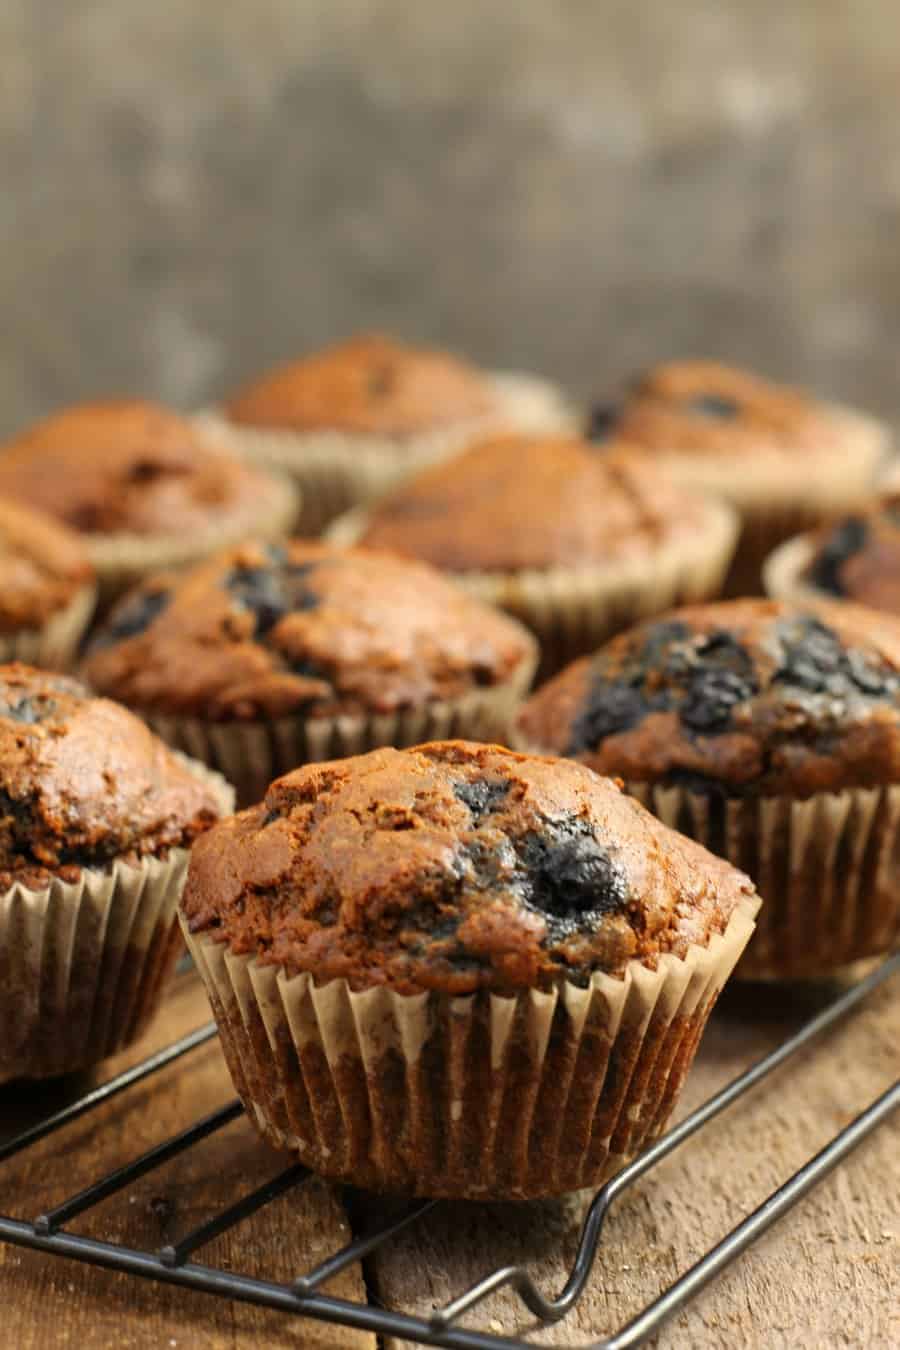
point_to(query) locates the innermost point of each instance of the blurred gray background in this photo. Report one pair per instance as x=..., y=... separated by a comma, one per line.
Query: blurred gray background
x=193, y=190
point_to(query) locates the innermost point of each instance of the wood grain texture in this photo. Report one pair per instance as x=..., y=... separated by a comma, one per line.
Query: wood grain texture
x=50, y=1303
x=826, y=1276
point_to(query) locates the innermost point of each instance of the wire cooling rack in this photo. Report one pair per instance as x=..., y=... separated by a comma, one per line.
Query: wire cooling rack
x=173, y=1264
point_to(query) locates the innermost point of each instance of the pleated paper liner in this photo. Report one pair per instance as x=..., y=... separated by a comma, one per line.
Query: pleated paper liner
x=827, y=869
x=84, y=965
x=572, y=611
x=780, y=495
x=122, y=560
x=252, y=754
x=54, y=646
x=480, y=1097
x=336, y=471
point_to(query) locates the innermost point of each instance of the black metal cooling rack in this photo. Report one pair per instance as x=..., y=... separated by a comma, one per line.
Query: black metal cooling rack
x=304, y=1297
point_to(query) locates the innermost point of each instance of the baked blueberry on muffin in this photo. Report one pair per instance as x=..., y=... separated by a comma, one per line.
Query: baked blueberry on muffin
x=574, y=544
x=271, y=655
x=856, y=558
x=96, y=820
x=455, y=970
x=771, y=733
x=785, y=460
x=142, y=486
x=46, y=588
x=349, y=421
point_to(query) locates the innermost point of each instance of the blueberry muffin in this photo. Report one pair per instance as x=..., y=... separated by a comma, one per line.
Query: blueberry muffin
x=269, y=656
x=856, y=558
x=47, y=592
x=142, y=486
x=455, y=970
x=785, y=460
x=575, y=545
x=769, y=732
x=350, y=421
x=97, y=818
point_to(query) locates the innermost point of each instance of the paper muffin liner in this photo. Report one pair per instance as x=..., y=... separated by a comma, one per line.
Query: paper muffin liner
x=778, y=496
x=783, y=572
x=336, y=471
x=827, y=869
x=84, y=965
x=572, y=611
x=54, y=646
x=478, y=1097
x=251, y=754
x=122, y=560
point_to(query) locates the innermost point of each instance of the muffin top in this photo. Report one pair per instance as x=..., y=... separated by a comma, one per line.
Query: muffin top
x=746, y=696
x=367, y=385
x=275, y=629
x=703, y=408
x=129, y=467
x=42, y=565
x=455, y=867
x=83, y=782
x=858, y=558
x=519, y=502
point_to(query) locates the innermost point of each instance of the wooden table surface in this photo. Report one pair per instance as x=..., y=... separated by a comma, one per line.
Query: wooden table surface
x=827, y=1275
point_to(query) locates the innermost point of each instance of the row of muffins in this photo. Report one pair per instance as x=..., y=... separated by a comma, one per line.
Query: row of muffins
x=269, y=602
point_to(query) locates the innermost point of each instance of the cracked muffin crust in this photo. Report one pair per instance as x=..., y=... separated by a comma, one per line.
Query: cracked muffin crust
x=133, y=468
x=749, y=697
x=301, y=627
x=43, y=566
x=370, y=384
x=454, y=867
x=84, y=783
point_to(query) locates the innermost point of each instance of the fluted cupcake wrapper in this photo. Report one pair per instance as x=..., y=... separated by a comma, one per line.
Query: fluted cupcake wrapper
x=84, y=964
x=53, y=646
x=827, y=869
x=573, y=610
x=483, y=1096
x=251, y=754
x=336, y=471
x=122, y=560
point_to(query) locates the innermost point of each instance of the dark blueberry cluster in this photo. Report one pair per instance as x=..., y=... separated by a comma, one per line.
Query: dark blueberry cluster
x=703, y=680
x=133, y=616
x=273, y=590
x=568, y=877
x=482, y=797
x=815, y=660
x=602, y=421
x=847, y=538
x=714, y=406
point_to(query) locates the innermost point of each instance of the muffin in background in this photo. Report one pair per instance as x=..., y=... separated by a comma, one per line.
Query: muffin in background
x=47, y=590
x=855, y=558
x=350, y=421
x=574, y=544
x=458, y=971
x=770, y=733
x=785, y=460
x=143, y=487
x=270, y=656
x=98, y=818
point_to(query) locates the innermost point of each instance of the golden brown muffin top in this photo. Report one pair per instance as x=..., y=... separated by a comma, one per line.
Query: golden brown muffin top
x=519, y=502
x=128, y=467
x=743, y=696
x=702, y=407
x=83, y=783
x=858, y=558
x=42, y=565
x=275, y=629
x=370, y=384
x=455, y=866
